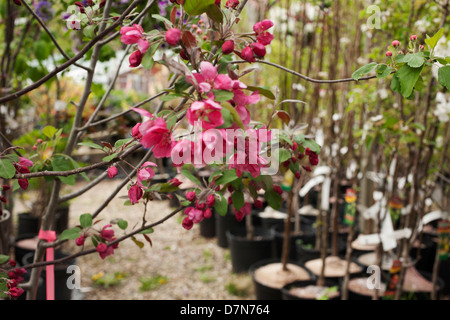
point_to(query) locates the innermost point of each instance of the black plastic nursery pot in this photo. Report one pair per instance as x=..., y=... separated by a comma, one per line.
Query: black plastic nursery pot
x=24, y=244
x=208, y=227
x=266, y=291
x=303, y=237
x=62, y=290
x=289, y=291
x=225, y=223
x=246, y=251
x=27, y=224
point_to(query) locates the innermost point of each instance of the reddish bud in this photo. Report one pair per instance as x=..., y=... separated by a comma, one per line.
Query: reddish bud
x=135, y=133
x=247, y=54
x=190, y=195
x=135, y=59
x=200, y=206
x=389, y=54
x=79, y=241
x=18, y=2
x=102, y=4
x=112, y=172
x=294, y=146
x=258, y=49
x=187, y=223
x=12, y=263
x=15, y=292
x=228, y=47
x=258, y=204
x=207, y=213
x=395, y=43
x=23, y=183
x=210, y=200
x=2, y=199
x=173, y=36
x=183, y=55
x=277, y=189
x=6, y=187
x=175, y=182
x=413, y=37
x=297, y=174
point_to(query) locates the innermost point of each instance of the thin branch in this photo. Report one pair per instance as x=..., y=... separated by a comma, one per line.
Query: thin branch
x=303, y=76
x=70, y=62
x=89, y=186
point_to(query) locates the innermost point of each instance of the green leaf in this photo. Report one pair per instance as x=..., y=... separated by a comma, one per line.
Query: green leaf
x=76, y=166
x=89, y=31
x=41, y=50
x=140, y=244
x=197, y=7
x=7, y=169
x=221, y=205
x=49, y=131
x=395, y=84
x=273, y=198
x=444, y=76
x=227, y=177
x=70, y=234
x=238, y=199
x=222, y=95
x=91, y=144
x=408, y=77
x=60, y=163
x=364, y=70
x=308, y=143
x=171, y=96
x=86, y=220
x=283, y=155
x=418, y=125
x=415, y=60
x=147, y=231
x=162, y=19
x=3, y=259
x=123, y=224
x=383, y=71
x=188, y=174
x=236, y=118
x=110, y=157
x=121, y=142
x=433, y=41
x=214, y=13
x=266, y=93
x=147, y=62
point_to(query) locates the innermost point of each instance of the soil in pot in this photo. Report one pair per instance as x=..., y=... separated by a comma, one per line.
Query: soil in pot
x=359, y=290
x=309, y=290
x=359, y=248
x=246, y=251
x=25, y=244
x=270, y=218
x=368, y=259
x=335, y=268
x=269, y=278
x=418, y=285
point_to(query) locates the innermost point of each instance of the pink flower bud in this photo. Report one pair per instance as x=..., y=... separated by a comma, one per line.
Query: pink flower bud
x=175, y=182
x=135, y=59
x=135, y=133
x=190, y=195
x=23, y=183
x=258, y=204
x=12, y=263
x=79, y=241
x=200, y=206
x=277, y=189
x=207, y=213
x=18, y=2
x=248, y=55
x=228, y=47
x=389, y=54
x=112, y=172
x=210, y=200
x=135, y=193
x=15, y=292
x=297, y=174
x=258, y=49
x=187, y=223
x=173, y=36
x=413, y=37
x=395, y=43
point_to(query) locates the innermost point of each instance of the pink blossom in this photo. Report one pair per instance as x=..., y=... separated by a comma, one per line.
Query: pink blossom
x=209, y=79
x=258, y=49
x=145, y=173
x=207, y=213
x=262, y=35
x=25, y=162
x=135, y=193
x=112, y=172
x=210, y=200
x=175, y=182
x=155, y=134
x=195, y=214
x=104, y=250
x=134, y=35
x=232, y=4
x=107, y=234
x=207, y=112
x=173, y=36
x=135, y=131
x=182, y=153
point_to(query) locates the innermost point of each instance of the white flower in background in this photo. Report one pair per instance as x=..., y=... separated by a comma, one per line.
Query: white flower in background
x=442, y=111
x=344, y=41
x=298, y=87
x=442, y=50
x=365, y=29
x=440, y=141
x=422, y=25
x=383, y=93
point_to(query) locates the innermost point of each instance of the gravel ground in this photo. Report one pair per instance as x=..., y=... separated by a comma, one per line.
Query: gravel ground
x=180, y=264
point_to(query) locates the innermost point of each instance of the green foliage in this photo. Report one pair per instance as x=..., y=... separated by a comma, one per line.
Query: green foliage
x=152, y=282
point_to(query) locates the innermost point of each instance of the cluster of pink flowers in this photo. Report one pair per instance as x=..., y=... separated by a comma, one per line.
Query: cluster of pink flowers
x=105, y=235
x=135, y=35
x=15, y=277
x=23, y=166
x=198, y=212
